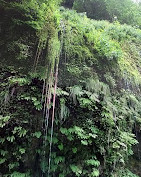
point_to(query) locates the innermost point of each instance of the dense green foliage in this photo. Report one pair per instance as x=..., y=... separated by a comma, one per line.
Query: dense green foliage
x=125, y=11
x=98, y=98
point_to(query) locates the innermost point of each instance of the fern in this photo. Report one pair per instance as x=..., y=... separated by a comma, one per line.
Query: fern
x=75, y=92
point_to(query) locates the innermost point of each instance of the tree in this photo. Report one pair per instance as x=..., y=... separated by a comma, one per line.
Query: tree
x=68, y=3
x=95, y=9
x=126, y=11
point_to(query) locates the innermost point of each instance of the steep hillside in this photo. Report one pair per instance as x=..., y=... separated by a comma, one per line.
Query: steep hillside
x=70, y=93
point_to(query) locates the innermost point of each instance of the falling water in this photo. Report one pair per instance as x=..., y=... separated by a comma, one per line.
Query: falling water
x=54, y=98
x=46, y=109
x=53, y=113
x=47, y=86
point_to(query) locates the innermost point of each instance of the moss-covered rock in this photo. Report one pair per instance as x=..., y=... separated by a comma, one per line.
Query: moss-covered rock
x=97, y=111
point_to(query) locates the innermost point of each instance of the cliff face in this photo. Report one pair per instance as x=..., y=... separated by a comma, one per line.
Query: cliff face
x=93, y=129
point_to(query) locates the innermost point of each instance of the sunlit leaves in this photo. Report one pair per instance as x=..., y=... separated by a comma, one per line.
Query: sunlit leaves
x=2, y=160
x=61, y=146
x=4, y=120
x=77, y=170
x=37, y=134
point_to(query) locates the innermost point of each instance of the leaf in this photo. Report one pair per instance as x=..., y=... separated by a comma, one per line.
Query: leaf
x=22, y=151
x=37, y=134
x=60, y=147
x=22, y=132
x=85, y=101
x=55, y=140
x=54, y=167
x=122, y=161
x=16, y=129
x=34, y=99
x=12, y=165
x=93, y=162
x=3, y=153
x=18, y=174
x=4, y=120
x=11, y=138
x=61, y=175
x=95, y=173
x=59, y=159
x=77, y=170
x=84, y=142
x=64, y=131
x=2, y=140
x=36, y=103
x=2, y=160
x=92, y=135
x=70, y=138
x=39, y=107
x=74, y=150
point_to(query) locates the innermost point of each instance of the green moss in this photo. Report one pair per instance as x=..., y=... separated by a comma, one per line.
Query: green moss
x=96, y=110
x=103, y=46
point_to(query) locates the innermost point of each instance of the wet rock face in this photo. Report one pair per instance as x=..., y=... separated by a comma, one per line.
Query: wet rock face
x=97, y=101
